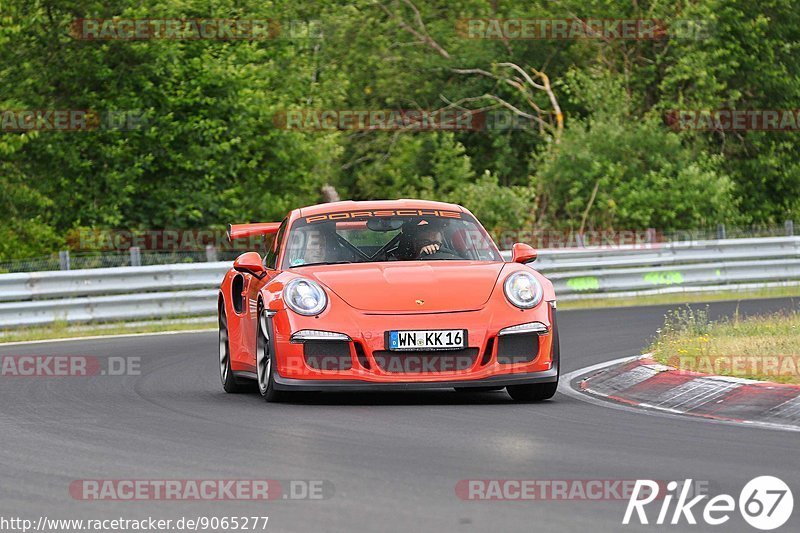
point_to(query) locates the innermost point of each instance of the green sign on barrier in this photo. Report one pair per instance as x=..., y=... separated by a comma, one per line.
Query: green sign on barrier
x=585, y=283
x=664, y=278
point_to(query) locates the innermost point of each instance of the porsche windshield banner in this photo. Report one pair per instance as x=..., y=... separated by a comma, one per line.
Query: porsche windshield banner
x=353, y=215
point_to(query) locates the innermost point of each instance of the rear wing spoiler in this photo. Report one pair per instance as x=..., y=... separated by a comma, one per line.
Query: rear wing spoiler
x=242, y=231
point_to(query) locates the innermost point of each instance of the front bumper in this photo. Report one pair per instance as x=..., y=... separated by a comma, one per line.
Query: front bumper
x=281, y=383
x=366, y=348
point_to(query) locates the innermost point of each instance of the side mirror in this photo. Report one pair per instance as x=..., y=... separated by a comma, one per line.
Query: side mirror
x=250, y=263
x=522, y=253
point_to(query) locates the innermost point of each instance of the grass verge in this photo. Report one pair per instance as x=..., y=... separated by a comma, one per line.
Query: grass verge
x=765, y=348
x=682, y=298
x=62, y=330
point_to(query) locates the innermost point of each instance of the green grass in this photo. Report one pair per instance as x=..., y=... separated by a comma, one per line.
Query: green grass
x=765, y=348
x=61, y=330
x=682, y=298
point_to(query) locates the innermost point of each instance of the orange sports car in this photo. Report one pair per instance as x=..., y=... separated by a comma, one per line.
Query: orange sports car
x=385, y=295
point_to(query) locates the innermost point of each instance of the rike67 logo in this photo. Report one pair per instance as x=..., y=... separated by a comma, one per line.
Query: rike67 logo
x=766, y=503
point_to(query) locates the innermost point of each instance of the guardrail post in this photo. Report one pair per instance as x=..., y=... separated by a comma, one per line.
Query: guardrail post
x=720, y=231
x=211, y=253
x=63, y=259
x=789, y=225
x=136, y=256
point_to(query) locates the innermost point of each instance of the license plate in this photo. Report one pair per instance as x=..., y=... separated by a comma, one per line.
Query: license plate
x=427, y=339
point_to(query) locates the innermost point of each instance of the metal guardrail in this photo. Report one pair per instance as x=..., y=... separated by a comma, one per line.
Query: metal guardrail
x=185, y=290
x=109, y=308
x=106, y=281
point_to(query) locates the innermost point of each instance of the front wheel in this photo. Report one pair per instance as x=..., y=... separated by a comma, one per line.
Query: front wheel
x=264, y=361
x=532, y=393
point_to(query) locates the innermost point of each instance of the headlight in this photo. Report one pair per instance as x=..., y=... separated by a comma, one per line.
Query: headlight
x=523, y=290
x=305, y=297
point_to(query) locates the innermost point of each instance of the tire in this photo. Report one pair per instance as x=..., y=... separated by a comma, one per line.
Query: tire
x=229, y=382
x=265, y=369
x=540, y=391
x=532, y=393
x=478, y=389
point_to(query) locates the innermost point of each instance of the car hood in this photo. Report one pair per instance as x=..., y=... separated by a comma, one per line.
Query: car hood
x=412, y=287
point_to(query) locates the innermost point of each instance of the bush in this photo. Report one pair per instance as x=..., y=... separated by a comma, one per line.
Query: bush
x=627, y=173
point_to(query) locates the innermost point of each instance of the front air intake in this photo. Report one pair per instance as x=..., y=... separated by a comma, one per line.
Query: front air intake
x=519, y=348
x=328, y=355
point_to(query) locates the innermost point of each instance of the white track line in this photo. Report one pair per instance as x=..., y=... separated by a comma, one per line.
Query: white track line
x=565, y=387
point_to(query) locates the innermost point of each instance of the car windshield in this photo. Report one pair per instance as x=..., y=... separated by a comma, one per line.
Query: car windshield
x=387, y=235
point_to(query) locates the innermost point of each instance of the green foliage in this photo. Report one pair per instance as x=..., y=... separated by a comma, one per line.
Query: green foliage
x=498, y=207
x=24, y=232
x=750, y=60
x=686, y=321
x=627, y=172
x=208, y=153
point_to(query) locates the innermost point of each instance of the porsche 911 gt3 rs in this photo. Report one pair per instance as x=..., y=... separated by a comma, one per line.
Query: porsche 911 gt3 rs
x=385, y=295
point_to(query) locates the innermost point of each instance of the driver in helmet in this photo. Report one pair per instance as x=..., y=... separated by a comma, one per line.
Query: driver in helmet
x=428, y=239
x=419, y=240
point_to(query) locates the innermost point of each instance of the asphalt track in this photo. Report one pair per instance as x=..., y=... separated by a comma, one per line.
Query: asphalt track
x=394, y=459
